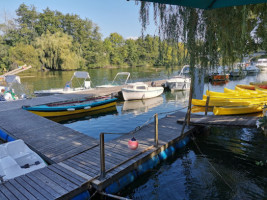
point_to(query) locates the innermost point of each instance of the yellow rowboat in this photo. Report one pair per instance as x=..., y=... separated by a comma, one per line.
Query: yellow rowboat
x=236, y=110
x=223, y=102
x=72, y=107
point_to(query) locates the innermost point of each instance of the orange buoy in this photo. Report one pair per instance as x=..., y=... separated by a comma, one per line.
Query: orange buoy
x=133, y=144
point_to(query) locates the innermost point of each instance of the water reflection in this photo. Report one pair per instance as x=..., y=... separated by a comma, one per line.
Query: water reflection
x=224, y=169
x=138, y=107
x=85, y=116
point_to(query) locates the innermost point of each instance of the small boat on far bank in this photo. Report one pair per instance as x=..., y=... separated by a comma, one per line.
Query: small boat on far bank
x=84, y=86
x=140, y=90
x=72, y=107
x=252, y=69
x=180, y=82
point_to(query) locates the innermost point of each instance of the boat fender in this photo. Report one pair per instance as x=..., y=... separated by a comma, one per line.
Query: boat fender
x=87, y=107
x=133, y=144
x=71, y=109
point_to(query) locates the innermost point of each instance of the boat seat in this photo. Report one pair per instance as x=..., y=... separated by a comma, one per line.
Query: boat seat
x=3, y=152
x=87, y=84
x=9, y=168
x=17, y=149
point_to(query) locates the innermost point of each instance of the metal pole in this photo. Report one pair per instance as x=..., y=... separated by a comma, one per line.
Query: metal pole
x=207, y=105
x=156, y=130
x=190, y=102
x=102, y=156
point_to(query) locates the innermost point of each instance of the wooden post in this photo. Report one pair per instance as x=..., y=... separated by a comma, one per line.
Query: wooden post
x=102, y=156
x=190, y=102
x=156, y=130
x=207, y=105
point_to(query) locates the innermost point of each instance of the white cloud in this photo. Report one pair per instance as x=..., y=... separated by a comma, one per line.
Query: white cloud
x=132, y=38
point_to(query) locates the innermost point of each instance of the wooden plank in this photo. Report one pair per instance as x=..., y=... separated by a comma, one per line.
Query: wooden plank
x=41, y=190
x=79, y=167
x=30, y=188
x=71, y=173
x=2, y=196
x=75, y=171
x=67, y=175
x=50, y=182
x=36, y=181
x=94, y=167
x=14, y=191
x=7, y=193
x=61, y=181
x=25, y=192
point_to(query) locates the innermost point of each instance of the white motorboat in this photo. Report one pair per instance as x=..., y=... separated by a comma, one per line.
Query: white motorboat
x=83, y=86
x=252, y=69
x=117, y=80
x=16, y=159
x=180, y=82
x=238, y=72
x=262, y=64
x=140, y=90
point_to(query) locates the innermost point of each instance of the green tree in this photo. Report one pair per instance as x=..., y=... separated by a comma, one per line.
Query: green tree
x=115, y=49
x=55, y=52
x=132, y=52
x=4, y=58
x=24, y=54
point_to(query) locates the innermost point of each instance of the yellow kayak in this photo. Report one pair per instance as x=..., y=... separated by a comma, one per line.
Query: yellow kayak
x=222, y=102
x=197, y=109
x=249, y=99
x=236, y=110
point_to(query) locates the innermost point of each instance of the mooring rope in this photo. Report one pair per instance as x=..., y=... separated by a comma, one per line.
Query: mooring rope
x=144, y=124
x=93, y=195
x=194, y=140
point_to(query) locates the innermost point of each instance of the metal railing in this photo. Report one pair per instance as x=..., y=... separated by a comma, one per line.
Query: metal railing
x=102, y=146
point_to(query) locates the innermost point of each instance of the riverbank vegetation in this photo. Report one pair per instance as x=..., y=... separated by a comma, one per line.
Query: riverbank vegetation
x=212, y=37
x=55, y=41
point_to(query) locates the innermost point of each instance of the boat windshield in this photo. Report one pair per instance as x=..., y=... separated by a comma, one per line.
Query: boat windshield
x=120, y=78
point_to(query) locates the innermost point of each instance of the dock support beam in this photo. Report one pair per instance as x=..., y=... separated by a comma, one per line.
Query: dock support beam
x=156, y=130
x=102, y=156
x=207, y=105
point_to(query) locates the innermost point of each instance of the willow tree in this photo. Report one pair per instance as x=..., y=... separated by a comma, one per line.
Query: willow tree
x=55, y=52
x=211, y=37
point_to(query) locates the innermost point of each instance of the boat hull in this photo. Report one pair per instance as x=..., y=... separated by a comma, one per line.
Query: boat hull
x=71, y=110
x=131, y=94
x=236, y=110
x=178, y=84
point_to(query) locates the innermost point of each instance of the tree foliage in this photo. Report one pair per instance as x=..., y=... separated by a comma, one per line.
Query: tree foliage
x=56, y=41
x=55, y=52
x=211, y=37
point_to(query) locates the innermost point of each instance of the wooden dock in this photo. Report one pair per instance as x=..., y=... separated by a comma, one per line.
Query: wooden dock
x=75, y=157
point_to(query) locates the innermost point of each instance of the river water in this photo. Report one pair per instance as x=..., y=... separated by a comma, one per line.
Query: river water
x=223, y=163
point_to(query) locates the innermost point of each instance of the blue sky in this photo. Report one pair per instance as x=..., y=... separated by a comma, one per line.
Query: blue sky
x=119, y=16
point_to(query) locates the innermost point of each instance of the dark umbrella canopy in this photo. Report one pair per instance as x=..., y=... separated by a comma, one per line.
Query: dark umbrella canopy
x=207, y=4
